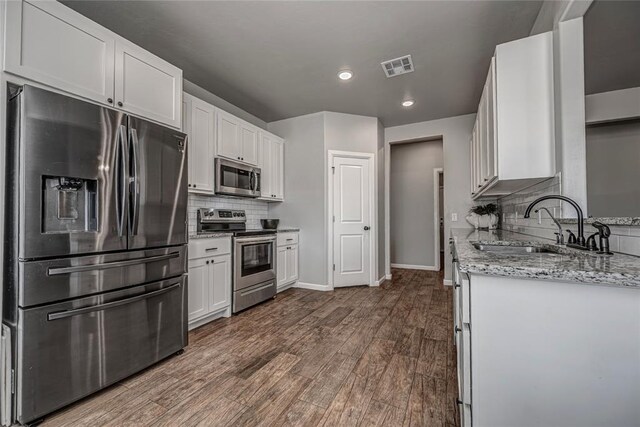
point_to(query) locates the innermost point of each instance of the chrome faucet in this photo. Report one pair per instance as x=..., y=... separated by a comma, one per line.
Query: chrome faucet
x=580, y=240
x=559, y=234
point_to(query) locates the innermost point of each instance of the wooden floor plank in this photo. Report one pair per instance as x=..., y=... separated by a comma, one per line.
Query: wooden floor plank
x=354, y=356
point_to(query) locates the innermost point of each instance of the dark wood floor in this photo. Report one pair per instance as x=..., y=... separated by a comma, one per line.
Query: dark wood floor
x=356, y=356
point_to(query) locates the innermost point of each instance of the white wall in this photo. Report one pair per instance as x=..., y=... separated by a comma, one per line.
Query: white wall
x=613, y=157
x=307, y=142
x=305, y=191
x=456, y=134
x=412, y=201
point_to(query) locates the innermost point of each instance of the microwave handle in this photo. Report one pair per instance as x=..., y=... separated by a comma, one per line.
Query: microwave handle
x=254, y=181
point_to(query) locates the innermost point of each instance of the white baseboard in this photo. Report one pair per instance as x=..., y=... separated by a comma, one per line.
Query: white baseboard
x=388, y=276
x=286, y=286
x=448, y=282
x=313, y=286
x=416, y=267
x=380, y=281
x=224, y=312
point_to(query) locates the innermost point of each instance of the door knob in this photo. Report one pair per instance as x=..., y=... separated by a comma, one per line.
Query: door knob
x=367, y=228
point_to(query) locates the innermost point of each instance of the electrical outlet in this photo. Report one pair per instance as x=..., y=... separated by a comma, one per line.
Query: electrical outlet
x=454, y=217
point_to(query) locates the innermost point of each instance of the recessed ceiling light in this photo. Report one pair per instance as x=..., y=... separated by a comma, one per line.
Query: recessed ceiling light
x=345, y=74
x=408, y=103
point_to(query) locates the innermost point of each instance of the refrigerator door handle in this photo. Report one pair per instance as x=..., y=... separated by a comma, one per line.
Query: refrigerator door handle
x=99, y=307
x=116, y=264
x=134, y=189
x=121, y=177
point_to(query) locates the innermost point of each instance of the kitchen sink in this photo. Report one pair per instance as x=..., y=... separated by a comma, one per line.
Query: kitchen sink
x=513, y=250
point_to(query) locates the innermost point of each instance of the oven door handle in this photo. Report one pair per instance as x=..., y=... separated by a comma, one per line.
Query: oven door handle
x=242, y=240
x=69, y=313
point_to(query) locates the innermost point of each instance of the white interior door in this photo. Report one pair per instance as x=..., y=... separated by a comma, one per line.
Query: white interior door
x=352, y=222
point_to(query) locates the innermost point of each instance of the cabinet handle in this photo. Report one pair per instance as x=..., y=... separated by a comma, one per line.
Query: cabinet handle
x=110, y=101
x=119, y=104
x=194, y=186
x=458, y=402
x=458, y=329
x=189, y=185
x=210, y=249
x=289, y=240
x=207, y=262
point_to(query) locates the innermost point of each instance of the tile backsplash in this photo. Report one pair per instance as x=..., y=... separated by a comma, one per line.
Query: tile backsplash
x=255, y=209
x=624, y=239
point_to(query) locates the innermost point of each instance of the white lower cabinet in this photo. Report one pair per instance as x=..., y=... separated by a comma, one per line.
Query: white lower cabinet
x=209, y=282
x=462, y=329
x=287, y=261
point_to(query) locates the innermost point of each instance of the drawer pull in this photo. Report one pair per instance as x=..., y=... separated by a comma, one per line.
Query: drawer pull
x=458, y=329
x=210, y=249
x=289, y=240
x=99, y=307
x=54, y=271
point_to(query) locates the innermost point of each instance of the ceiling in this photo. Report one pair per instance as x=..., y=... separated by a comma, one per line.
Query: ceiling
x=280, y=59
x=612, y=46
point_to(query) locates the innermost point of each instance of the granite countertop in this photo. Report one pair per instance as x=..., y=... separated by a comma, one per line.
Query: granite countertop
x=210, y=235
x=569, y=265
x=632, y=221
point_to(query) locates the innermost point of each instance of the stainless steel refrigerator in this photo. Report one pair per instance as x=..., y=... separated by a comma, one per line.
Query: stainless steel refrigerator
x=95, y=250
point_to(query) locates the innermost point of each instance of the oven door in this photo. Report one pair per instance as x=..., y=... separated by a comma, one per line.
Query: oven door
x=255, y=260
x=236, y=179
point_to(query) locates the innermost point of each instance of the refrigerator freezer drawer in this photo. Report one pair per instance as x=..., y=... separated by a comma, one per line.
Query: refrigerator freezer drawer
x=69, y=350
x=43, y=282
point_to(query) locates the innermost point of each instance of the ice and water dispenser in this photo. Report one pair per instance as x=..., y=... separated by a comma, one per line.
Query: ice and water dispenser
x=70, y=204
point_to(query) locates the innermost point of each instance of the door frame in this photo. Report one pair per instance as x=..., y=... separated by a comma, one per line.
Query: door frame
x=373, y=252
x=436, y=215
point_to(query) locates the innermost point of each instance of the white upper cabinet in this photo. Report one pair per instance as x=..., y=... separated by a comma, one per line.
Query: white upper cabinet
x=513, y=141
x=201, y=143
x=271, y=162
x=228, y=141
x=249, y=138
x=237, y=139
x=146, y=85
x=48, y=43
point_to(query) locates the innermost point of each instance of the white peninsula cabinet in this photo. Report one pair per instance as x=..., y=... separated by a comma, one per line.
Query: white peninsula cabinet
x=513, y=140
x=534, y=352
x=271, y=163
x=51, y=44
x=236, y=139
x=287, y=261
x=209, y=283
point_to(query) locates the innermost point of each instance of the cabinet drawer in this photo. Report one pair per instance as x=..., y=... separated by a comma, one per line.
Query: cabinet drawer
x=287, y=239
x=209, y=247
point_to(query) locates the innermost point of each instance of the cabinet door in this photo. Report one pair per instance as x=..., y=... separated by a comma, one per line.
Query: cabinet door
x=281, y=265
x=198, y=287
x=492, y=162
x=49, y=43
x=277, y=169
x=266, y=190
x=249, y=142
x=147, y=86
x=228, y=136
x=482, y=133
x=292, y=263
x=220, y=290
x=201, y=143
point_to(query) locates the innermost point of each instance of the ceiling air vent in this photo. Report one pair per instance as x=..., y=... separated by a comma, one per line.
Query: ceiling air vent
x=398, y=66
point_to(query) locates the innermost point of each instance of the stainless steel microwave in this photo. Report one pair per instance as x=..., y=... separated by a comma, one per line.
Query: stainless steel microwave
x=237, y=179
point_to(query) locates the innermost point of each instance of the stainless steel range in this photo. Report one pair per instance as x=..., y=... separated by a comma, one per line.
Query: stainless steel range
x=95, y=254
x=254, y=256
